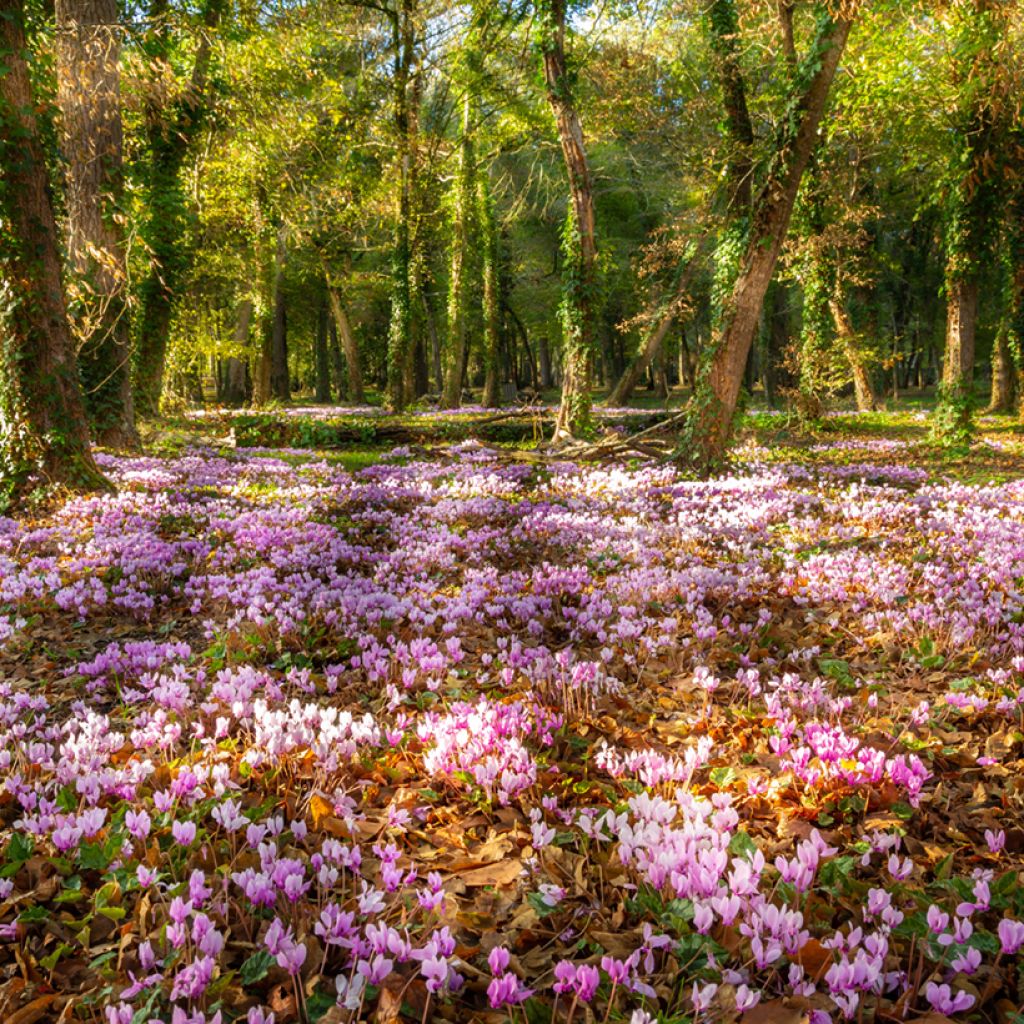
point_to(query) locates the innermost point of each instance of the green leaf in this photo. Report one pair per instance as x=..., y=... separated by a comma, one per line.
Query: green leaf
x=723, y=777
x=255, y=968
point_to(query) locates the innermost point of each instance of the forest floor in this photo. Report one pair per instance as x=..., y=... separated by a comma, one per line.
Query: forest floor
x=438, y=731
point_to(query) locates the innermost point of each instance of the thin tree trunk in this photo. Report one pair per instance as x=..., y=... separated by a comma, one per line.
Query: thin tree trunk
x=321, y=357
x=579, y=237
x=170, y=134
x=89, y=96
x=400, y=330
x=41, y=408
x=718, y=389
x=1001, y=400
x=864, y=390
x=627, y=383
x=491, y=292
x=349, y=346
x=460, y=286
x=280, y=382
x=978, y=74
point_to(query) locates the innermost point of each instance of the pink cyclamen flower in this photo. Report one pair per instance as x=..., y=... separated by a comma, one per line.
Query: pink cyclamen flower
x=498, y=960
x=1011, y=935
x=184, y=832
x=944, y=1000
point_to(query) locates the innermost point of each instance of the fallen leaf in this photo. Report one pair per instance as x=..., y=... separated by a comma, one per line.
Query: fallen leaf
x=33, y=1011
x=503, y=872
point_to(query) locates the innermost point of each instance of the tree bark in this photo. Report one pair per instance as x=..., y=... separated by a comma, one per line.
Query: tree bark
x=579, y=238
x=459, y=285
x=1001, y=400
x=491, y=292
x=349, y=346
x=400, y=330
x=864, y=390
x=45, y=430
x=631, y=376
x=170, y=135
x=280, y=381
x=715, y=401
x=89, y=96
x=234, y=369
x=968, y=239
x=321, y=358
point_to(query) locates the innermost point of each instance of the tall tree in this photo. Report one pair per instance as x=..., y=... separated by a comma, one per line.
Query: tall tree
x=491, y=294
x=403, y=27
x=579, y=235
x=980, y=78
x=170, y=131
x=461, y=288
x=89, y=94
x=43, y=426
x=709, y=425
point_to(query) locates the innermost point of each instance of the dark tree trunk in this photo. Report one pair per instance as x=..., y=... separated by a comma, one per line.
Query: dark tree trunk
x=400, y=329
x=234, y=366
x=45, y=427
x=627, y=383
x=89, y=95
x=280, y=382
x=321, y=358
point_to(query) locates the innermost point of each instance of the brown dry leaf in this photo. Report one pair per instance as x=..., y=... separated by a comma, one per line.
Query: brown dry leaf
x=32, y=1012
x=814, y=958
x=777, y=1011
x=614, y=943
x=389, y=1002
x=320, y=808
x=502, y=873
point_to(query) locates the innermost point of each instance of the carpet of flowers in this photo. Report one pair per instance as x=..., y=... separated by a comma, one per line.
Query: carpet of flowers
x=462, y=736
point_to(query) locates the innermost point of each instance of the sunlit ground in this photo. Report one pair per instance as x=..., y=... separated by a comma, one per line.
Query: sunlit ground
x=448, y=732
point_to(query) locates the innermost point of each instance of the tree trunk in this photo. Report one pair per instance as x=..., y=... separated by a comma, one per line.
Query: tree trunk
x=400, y=330
x=864, y=390
x=491, y=292
x=544, y=358
x=579, y=240
x=321, y=358
x=234, y=366
x=459, y=286
x=715, y=400
x=170, y=135
x=627, y=383
x=280, y=382
x=978, y=74
x=45, y=430
x=1001, y=400
x=89, y=95
x=349, y=346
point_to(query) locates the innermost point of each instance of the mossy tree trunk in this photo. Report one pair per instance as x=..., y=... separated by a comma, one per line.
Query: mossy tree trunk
x=460, y=287
x=43, y=425
x=89, y=96
x=971, y=210
x=170, y=135
x=579, y=236
x=709, y=427
x=400, y=328
x=491, y=291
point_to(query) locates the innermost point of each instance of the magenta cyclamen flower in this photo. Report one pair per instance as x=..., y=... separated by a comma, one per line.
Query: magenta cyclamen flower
x=184, y=832
x=1011, y=935
x=944, y=1000
x=506, y=990
x=498, y=960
